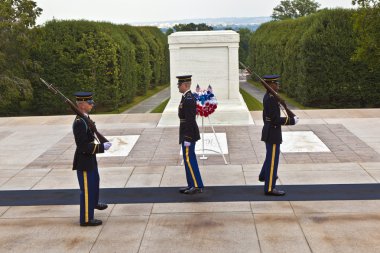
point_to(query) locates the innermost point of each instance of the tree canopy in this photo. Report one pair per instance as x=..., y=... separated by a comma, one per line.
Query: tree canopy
x=245, y=36
x=192, y=27
x=16, y=19
x=294, y=9
x=366, y=26
x=366, y=3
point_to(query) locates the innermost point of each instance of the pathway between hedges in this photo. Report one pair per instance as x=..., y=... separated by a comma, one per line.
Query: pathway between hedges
x=150, y=103
x=257, y=93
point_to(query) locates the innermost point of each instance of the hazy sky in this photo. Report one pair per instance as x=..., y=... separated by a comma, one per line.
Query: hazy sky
x=128, y=11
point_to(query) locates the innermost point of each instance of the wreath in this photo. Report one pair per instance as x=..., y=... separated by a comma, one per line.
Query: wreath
x=206, y=101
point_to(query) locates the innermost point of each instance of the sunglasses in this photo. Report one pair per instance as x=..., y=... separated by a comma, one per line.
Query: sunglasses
x=91, y=102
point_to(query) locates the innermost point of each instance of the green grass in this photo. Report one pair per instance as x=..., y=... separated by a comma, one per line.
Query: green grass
x=161, y=107
x=287, y=99
x=256, y=84
x=138, y=99
x=252, y=103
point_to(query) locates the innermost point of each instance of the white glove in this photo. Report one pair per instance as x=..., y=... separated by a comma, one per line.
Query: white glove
x=187, y=144
x=107, y=145
x=296, y=119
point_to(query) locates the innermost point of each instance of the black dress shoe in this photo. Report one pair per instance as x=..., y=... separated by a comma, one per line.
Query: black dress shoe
x=182, y=190
x=93, y=222
x=263, y=179
x=193, y=190
x=275, y=192
x=101, y=206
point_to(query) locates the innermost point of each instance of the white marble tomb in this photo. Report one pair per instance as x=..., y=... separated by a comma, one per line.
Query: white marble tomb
x=211, y=57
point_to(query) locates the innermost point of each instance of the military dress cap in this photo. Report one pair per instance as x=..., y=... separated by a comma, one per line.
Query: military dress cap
x=271, y=78
x=184, y=78
x=84, y=96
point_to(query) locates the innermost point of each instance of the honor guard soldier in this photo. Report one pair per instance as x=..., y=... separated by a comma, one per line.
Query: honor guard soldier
x=85, y=162
x=272, y=136
x=188, y=136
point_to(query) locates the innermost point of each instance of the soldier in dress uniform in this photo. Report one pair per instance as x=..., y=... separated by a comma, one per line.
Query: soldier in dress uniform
x=189, y=135
x=272, y=136
x=85, y=162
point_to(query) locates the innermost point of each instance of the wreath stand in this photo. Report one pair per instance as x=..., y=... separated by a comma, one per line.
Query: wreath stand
x=203, y=157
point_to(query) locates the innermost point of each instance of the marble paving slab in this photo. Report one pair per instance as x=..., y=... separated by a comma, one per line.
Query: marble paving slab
x=121, y=145
x=211, y=144
x=302, y=141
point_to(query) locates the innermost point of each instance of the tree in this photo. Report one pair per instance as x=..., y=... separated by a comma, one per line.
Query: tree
x=366, y=3
x=366, y=26
x=294, y=9
x=169, y=31
x=192, y=27
x=16, y=19
x=245, y=36
x=204, y=27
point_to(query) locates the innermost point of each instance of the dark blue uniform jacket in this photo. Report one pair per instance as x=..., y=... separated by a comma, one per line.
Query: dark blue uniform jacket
x=187, y=112
x=85, y=153
x=271, y=132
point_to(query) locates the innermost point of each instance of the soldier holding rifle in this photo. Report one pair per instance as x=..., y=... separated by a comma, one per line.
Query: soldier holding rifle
x=85, y=163
x=272, y=135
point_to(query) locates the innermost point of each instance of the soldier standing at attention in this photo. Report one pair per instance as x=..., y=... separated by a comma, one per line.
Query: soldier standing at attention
x=188, y=136
x=85, y=162
x=272, y=136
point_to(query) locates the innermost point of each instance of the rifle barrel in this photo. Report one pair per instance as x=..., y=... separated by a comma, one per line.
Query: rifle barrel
x=51, y=87
x=274, y=93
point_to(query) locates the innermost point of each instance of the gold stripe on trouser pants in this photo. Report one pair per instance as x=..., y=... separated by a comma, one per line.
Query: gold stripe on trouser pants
x=272, y=168
x=191, y=168
x=85, y=185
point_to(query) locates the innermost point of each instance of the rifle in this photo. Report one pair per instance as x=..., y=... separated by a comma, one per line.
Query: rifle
x=90, y=123
x=275, y=94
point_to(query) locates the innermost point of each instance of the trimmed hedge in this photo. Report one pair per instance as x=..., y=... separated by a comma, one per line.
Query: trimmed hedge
x=15, y=95
x=313, y=55
x=113, y=61
x=142, y=56
x=159, y=54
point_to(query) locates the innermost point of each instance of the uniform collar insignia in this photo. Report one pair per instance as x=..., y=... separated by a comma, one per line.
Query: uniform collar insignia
x=185, y=93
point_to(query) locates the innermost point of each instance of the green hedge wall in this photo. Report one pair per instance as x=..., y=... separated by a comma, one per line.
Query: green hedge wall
x=313, y=54
x=15, y=95
x=159, y=54
x=113, y=61
x=142, y=56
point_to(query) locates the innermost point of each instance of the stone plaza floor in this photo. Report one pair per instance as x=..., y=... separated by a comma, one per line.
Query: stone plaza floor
x=341, y=215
